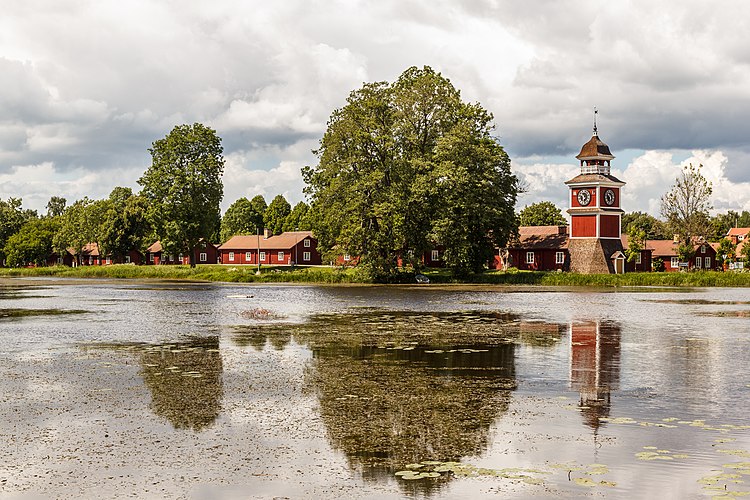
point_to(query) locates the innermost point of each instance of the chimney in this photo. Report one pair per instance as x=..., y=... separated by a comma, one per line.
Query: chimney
x=562, y=229
x=266, y=233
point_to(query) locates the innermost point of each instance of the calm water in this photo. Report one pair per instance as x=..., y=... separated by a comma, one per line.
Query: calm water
x=203, y=391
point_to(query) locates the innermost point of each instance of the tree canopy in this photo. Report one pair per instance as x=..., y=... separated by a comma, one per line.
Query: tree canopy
x=183, y=187
x=543, y=213
x=685, y=207
x=298, y=219
x=32, y=244
x=276, y=213
x=406, y=166
x=650, y=225
x=12, y=218
x=240, y=218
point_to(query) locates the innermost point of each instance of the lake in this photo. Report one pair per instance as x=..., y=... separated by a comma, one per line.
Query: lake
x=175, y=390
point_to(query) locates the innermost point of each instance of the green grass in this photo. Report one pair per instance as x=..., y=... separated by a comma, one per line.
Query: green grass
x=246, y=274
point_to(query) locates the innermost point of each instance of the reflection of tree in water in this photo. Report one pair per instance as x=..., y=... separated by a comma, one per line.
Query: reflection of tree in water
x=595, y=367
x=185, y=381
x=402, y=387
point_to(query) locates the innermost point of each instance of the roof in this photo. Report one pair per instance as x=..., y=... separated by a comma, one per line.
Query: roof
x=281, y=241
x=594, y=178
x=87, y=249
x=541, y=237
x=156, y=246
x=595, y=148
x=738, y=231
x=668, y=248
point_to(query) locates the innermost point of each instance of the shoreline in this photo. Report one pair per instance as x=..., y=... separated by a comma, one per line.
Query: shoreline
x=323, y=275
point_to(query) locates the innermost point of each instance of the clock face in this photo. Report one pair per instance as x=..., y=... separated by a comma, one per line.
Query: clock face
x=584, y=197
x=609, y=197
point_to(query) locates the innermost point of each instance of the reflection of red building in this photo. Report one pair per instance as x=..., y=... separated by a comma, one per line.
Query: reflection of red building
x=595, y=366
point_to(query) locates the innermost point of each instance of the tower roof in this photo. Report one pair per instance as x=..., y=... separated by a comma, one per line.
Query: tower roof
x=595, y=149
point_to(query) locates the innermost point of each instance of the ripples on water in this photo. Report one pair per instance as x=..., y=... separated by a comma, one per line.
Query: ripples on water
x=181, y=389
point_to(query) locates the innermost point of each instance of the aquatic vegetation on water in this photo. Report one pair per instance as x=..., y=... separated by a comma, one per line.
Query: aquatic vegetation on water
x=260, y=313
x=20, y=313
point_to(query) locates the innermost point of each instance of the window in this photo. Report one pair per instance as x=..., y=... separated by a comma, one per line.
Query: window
x=151, y=257
x=231, y=256
x=262, y=256
x=638, y=258
x=180, y=257
x=91, y=260
x=59, y=260
x=347, y=257
x=127, y=259
x=203, y=257
x=280, y=256
x=707, y=260
x=435, y=255
x=675, y=262
x=109, y=260
x=703, y=248
x=698, y=263
x=307, y=243
x=305, y=255
x=248, y=256
x=740, y=238
x=529, y=257
x=559, y=257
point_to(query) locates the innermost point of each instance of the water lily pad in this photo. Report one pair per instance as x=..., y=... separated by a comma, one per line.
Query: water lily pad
x=584, y=481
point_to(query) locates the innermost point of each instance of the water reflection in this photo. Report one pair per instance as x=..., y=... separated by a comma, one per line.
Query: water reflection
x=595, y=367
x=396, y=388
x=185, y=381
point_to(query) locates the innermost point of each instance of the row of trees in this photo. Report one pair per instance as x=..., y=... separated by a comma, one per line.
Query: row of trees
x=251, y=216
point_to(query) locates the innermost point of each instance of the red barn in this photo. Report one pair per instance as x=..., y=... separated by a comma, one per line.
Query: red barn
x=288, y=248
x=205, y=253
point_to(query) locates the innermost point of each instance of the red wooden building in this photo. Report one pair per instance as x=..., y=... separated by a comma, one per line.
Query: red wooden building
x=539, y=248
x=704, y=257
x=205, y=253
x=288, y=248
x=90, y=256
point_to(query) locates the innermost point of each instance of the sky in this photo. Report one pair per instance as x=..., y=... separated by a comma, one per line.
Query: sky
x=87, y=85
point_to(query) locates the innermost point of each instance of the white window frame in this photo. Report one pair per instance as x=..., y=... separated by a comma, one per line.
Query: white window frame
x=435, y=256
x=707, y=262
x=638, y=258
x=306, y=243
x=91, y=260
x=127, y=259
x=262, y=256
x=231, y=256
x=703, y=248
x=347, y=257
x=280, y=256
x=740, y=238
x=674, y=262
x=559, y=257
x=248, y=256
x=698, y=263
x=109, y=260
x=180, y=258
x=529, y=257
x=150, y=257
x=203, y=257
x=306, y=256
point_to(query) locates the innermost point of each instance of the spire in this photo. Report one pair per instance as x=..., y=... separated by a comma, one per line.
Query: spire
x=596, y=111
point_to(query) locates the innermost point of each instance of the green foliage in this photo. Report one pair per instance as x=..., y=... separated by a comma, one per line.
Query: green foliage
x=259, y=205
x=685, y=252
x=56, y=206
x=276, y=214
x=12, y=218
x=240, y=218
x=404, y=166
x=722, y=223
x=727, y=248
x=544, y=213
x=745, y=253
x=657, y=265
x=32, y=244
x=183, y=187
x=636, y=242
x=82, y=223
x=653, y=227
x=124, y=226
x=685, y=207
x=298, y=219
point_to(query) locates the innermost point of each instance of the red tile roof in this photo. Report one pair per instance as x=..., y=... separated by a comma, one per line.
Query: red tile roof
x=738, y=231
x=282, y=241
x=541, y=237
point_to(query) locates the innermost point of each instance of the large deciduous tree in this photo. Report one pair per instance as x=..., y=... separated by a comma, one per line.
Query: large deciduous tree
x=56, y=206
x=276, y=213
x=81, y=224
x=183, y=187
x=685, y=207
x=543, y=213
x=12, y=218
x=32, y=244
x=653, y=227
x=406, y=166
x=298, y=219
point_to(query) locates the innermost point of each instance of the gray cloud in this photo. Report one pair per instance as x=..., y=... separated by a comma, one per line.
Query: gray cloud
x=86, y=87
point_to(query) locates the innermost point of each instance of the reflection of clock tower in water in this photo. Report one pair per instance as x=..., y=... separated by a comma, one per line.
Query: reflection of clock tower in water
x=594, y=240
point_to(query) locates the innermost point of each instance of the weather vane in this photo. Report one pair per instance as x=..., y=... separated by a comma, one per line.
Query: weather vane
x=596, y=111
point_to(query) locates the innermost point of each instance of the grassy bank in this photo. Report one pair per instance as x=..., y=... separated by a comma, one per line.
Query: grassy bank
x=246, y=274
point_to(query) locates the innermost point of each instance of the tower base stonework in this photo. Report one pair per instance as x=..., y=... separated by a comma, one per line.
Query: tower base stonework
x=593, y=256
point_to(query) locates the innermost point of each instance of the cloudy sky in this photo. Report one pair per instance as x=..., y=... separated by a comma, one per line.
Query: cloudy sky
x=87, y=85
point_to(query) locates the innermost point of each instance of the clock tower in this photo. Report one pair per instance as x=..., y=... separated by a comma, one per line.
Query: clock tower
x=594, y=241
